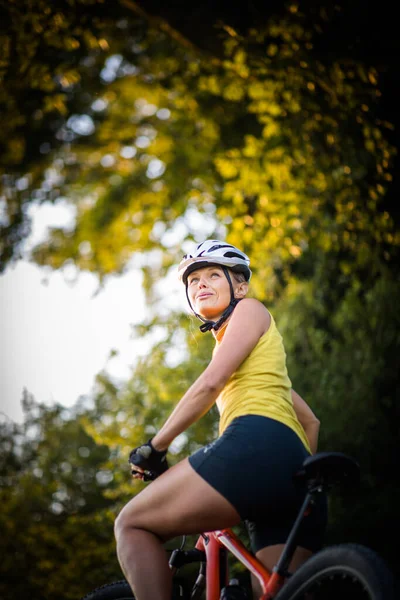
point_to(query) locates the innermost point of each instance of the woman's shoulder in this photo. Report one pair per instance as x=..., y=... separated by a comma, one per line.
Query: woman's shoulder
x=255, y=310
x=253, y=304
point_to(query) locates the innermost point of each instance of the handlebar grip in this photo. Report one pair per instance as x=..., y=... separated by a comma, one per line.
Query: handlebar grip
x=147, y=475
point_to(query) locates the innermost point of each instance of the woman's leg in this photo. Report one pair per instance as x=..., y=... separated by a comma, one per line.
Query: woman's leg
x=179, y=502
x=269, y=556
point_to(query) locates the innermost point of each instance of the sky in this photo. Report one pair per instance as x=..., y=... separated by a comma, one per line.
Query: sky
x=57, y=334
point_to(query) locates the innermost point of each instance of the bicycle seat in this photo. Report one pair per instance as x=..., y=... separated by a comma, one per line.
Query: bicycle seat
x=327, y=469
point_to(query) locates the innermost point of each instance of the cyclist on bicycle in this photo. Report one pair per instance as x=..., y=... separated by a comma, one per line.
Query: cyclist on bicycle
x=266, y=431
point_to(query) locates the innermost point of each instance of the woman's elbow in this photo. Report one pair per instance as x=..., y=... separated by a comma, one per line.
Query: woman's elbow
x=311, y=423
x=315, y=423
x=213, y=384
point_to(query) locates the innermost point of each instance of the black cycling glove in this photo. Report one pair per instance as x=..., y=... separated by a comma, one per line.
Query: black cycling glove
x=152, y=461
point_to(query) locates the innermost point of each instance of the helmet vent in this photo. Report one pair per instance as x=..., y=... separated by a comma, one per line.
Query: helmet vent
x=233, y=255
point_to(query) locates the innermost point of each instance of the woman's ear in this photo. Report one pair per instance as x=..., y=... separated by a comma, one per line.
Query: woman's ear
x=241, y=289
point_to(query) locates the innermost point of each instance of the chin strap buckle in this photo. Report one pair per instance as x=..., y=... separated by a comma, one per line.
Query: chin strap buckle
x=207, y=326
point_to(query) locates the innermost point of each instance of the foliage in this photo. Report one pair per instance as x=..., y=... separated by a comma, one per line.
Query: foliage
x=288, y=155
x=58, y=506
x=52, y=52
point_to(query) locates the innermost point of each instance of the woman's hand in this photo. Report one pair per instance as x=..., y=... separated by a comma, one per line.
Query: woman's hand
x=147, y=463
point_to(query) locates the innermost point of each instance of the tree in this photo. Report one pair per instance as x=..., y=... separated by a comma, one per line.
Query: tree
x=284, y=122
x=52, y=53
x=58, y=493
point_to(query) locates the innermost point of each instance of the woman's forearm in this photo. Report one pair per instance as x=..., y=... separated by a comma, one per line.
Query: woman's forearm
x=196, y=402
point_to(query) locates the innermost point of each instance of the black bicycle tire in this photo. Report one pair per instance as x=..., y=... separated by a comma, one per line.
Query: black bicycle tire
x=120, y=590
x=116, y=590
x=361, y=565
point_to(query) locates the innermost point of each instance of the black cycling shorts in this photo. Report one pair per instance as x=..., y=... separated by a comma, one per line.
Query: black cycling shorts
x=252, y=465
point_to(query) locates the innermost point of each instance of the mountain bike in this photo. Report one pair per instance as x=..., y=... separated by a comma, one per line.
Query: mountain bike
x=339, y=572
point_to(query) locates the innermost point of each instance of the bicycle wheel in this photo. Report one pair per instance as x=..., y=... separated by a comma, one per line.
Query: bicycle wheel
x=120, y=590
x=344, y=571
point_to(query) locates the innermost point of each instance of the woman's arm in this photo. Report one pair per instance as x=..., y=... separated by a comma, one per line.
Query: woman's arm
x=307, y=419
x=249, y=321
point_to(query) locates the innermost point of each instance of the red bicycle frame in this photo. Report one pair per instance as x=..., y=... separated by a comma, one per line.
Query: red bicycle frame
x=212, y=542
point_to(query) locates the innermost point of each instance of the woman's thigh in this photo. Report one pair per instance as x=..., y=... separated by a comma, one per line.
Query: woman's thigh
x=179, y=502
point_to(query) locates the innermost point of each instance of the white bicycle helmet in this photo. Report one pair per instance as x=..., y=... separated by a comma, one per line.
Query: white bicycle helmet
x=215, y=252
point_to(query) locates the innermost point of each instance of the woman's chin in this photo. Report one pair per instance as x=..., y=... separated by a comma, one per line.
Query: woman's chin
x=207, y=312
x=209, y=315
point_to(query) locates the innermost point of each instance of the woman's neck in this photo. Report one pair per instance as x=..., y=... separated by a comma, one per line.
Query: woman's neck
x=218, y=335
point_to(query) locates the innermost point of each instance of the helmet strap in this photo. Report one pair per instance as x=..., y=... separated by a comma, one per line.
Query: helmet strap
x=208, y=325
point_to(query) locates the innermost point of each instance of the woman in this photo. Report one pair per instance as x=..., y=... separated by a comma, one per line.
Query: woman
x=266, y=432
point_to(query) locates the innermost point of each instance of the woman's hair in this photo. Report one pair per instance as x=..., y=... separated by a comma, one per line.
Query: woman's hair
x=238, y=277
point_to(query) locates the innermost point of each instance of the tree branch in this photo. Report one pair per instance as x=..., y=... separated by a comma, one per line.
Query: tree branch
x=159, y=23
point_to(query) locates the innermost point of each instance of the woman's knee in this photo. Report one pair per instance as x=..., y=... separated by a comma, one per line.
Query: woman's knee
x=125, y=520
x=135, y=516
x=126, y=525
x=119, y=525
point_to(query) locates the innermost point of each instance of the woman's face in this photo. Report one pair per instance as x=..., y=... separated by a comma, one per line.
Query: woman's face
x=209, y=292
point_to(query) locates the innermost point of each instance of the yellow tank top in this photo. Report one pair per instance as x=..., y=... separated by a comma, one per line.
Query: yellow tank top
x=261, y=386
